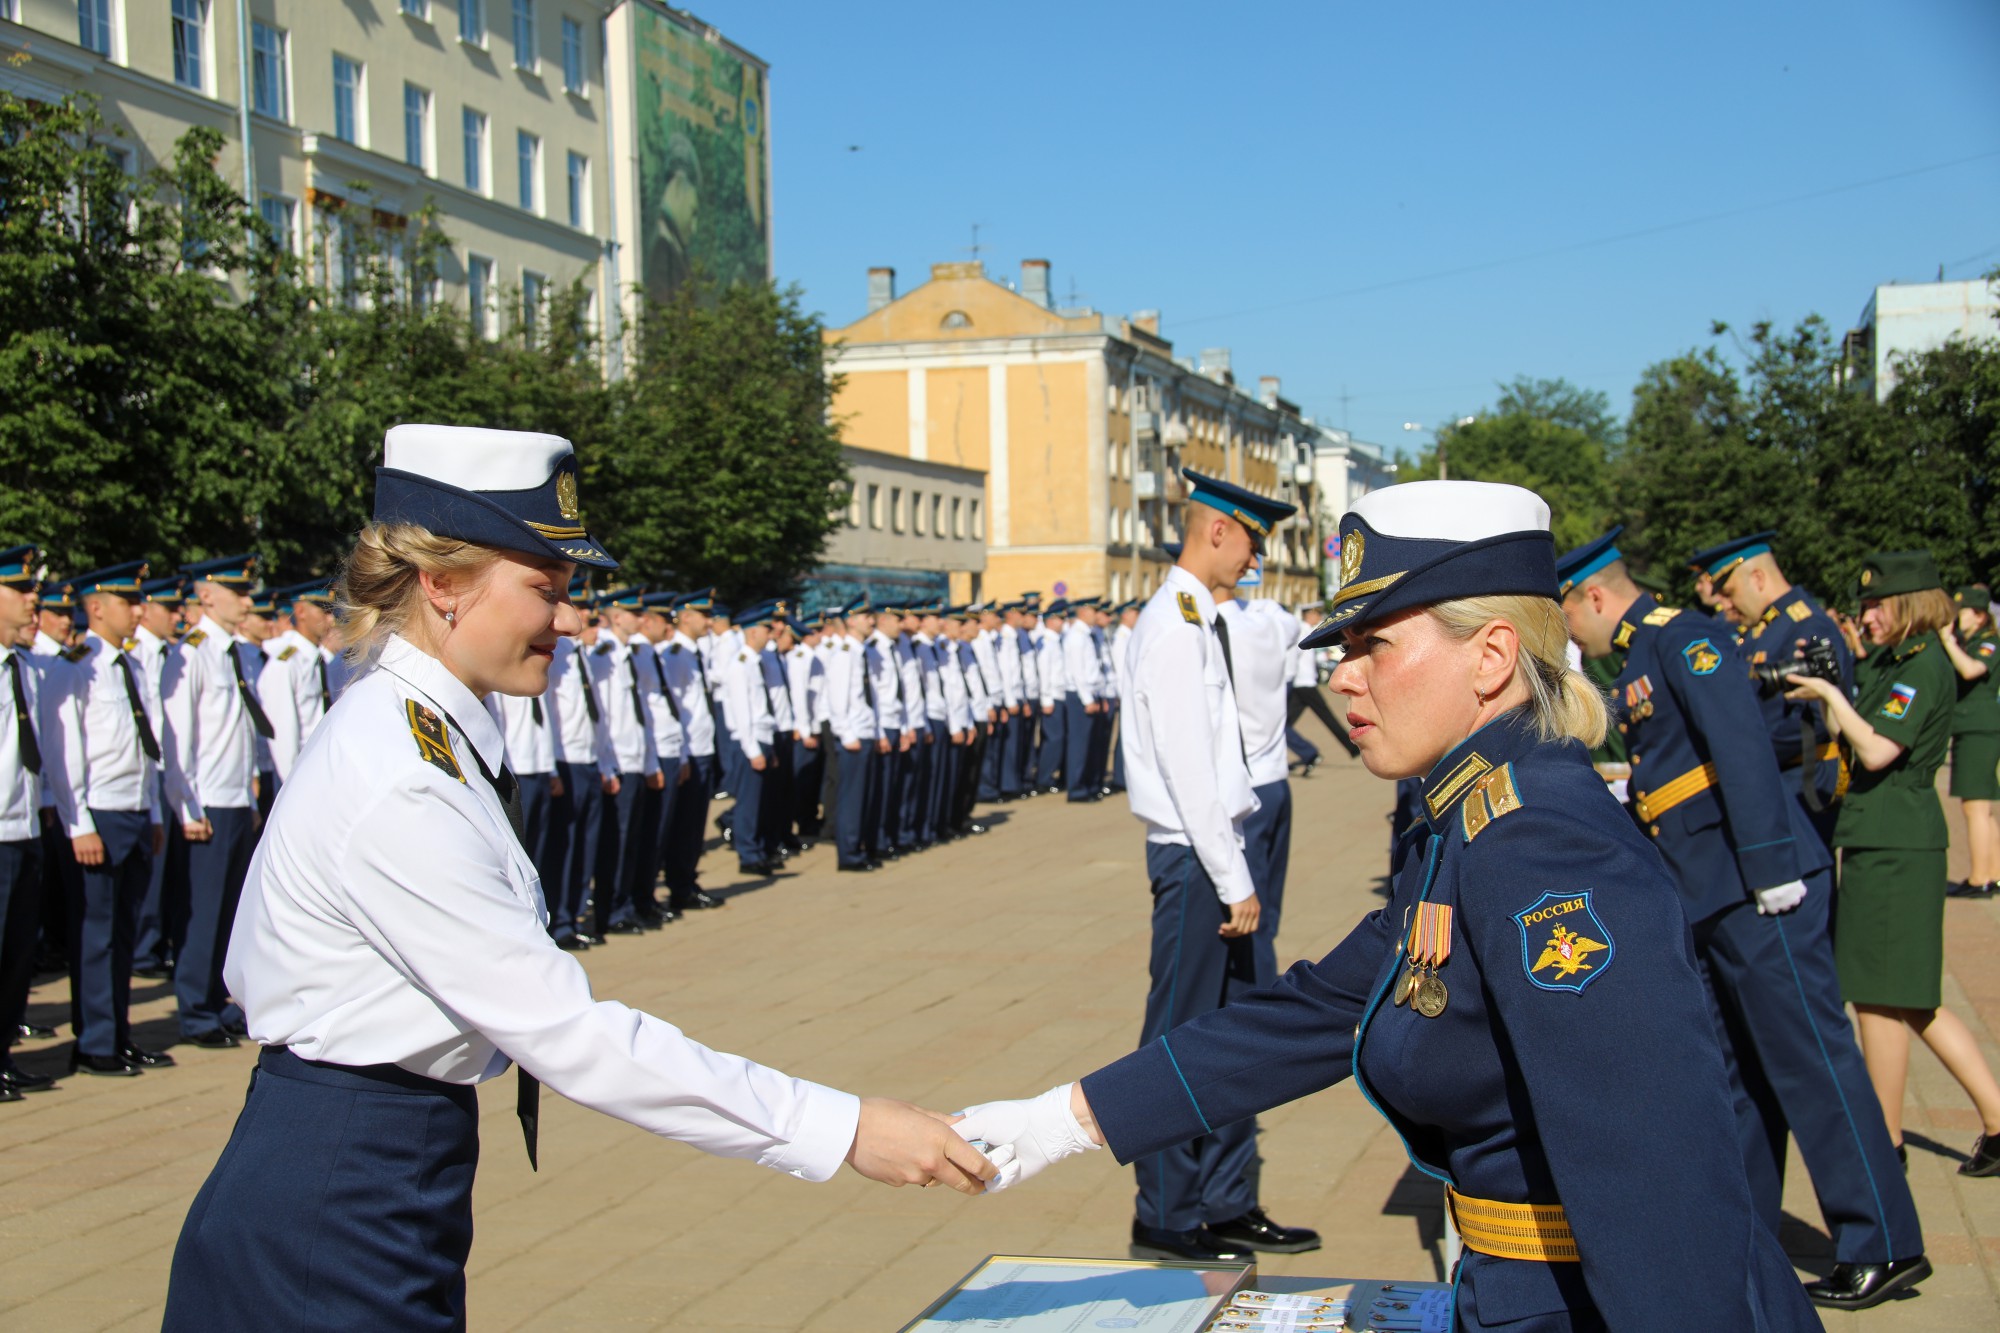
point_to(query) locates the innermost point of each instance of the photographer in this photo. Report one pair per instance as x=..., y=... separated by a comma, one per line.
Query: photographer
x=1890, y=925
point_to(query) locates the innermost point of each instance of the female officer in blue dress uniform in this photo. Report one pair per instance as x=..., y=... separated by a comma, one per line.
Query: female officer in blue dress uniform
x=1525, y=1011
x=391, y=950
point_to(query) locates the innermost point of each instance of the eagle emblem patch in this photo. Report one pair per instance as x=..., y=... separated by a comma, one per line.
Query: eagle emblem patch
x=1702, y=658
x=1561, y=937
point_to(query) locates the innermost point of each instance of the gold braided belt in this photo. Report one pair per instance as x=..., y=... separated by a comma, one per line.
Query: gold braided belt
x=1538, y=1231
x=1651, y=805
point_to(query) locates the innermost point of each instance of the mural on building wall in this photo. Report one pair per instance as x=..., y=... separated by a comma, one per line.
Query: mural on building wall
x=836, y=585
x=704, y=159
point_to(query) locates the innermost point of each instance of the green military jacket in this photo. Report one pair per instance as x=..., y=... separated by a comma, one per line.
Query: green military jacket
x=1978, y=710
x=1907, y=693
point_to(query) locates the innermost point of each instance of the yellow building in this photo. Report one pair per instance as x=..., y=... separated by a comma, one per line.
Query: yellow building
x=1080, y=422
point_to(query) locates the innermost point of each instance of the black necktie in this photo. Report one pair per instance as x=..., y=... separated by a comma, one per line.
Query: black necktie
x=527, y=1088
x=638, y=699
x=256, y=710
x=24, y=727
x=147, y=741
x=660, y=670
x=325, y=690
x=535, y=710
x=589, y=693
x=707, y=697
x=1229, y=665
x=867, y=678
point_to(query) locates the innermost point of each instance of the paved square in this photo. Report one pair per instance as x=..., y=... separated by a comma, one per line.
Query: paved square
x=993, y=967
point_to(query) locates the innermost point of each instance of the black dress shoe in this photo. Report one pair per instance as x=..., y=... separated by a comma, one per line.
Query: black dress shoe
x=218, y=1040
x=1985, y=1159
x=8, y=1094
x=17, y=1079
x=154, y=972
x=624, y=928
x=36, y=1032
x=701, y=900
x=975, y=827
x=1256, y=1231
x=105, y=1066
x=761, y=869
x=1200, y=1245
x=1858, y=1286
x=588, y=940
x=145, y=1059
x=1306, y=769
x=858, y=868
x=571, y=944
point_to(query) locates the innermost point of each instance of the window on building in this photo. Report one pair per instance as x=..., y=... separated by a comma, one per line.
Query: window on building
x=281, y=215
x=528, y=152
x=978, y=525
x=190, y=33
x=93, y=26
x=578, y=177
x=270, y=71
x=348, y=103
x=474, y=131
x=479, y=294
x=524, y=35
x=957, y=319
x=534, y=297
x=957, y=516
x=917, y=512
x=896, y=519
x=472, y=22
x=937, y=515
x=418, y=9
x=417, y=127
x=572, y=33
x=853, y=506
x=874, y=506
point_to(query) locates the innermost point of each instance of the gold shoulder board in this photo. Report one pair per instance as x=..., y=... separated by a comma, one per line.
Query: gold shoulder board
x=1660, y=615
x=1189, y=612
x=433, y=740
x=1799, y=611
x=289, y=652
x=194, y=638
x=1491, y=797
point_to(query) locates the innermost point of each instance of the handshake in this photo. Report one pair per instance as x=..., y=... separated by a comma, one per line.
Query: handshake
x=991, y=1146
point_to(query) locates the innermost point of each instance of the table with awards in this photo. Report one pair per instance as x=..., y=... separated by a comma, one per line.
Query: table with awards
x=1031, y=1294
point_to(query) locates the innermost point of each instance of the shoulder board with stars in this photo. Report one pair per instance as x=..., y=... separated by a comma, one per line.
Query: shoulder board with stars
x=1660, y=615
x=1799, y=611
x=1189, y=612
x=1491, y=797
x=290, y=652
x=433, y=740
x=195, y=638
x=76, y=654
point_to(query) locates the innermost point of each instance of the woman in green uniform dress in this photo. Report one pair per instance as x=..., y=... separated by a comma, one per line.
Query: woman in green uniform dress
x=1973, y=648
x=1889, y=917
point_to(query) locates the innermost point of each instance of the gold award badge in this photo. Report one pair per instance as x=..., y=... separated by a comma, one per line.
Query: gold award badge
x=1351, y=547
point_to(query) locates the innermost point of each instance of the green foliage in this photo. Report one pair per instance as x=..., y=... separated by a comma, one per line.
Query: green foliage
x=177, y=386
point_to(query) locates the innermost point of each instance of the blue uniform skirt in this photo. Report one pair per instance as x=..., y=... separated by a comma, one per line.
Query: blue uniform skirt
x=343, y=1201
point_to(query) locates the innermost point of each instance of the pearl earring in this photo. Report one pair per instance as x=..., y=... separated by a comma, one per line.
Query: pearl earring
x=450, y=617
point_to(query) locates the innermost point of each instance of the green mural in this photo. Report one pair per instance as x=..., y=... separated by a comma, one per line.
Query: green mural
x=704, y=166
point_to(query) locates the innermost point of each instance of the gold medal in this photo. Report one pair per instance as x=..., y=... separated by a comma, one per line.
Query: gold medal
x=1431, y=996
x=1407, y=985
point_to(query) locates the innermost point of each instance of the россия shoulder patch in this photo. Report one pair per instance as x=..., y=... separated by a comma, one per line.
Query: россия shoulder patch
x=1561, y=940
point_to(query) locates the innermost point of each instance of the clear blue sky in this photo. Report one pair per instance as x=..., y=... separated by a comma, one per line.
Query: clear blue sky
x=1248, y=169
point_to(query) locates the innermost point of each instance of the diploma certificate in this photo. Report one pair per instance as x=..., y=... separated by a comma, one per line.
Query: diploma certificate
x=1022, y=1294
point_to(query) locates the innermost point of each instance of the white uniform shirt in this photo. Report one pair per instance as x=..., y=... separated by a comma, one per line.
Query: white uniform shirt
x=1262, y=635
x=391, y=917
x=1031, y=668
x=1007, y=655
x=853, y=721
x=669, y=736
x=1184, y=769
x=928, y=654
x=579, y=738
x=910, y=676
x=211, y=754
x=251, y=654
x=1305, y=671
x=1049, y=659
x=692, y=690
x=805, y=678
x=45, y=646
x=104, y=764
x=884, y=682
x=289, y=689
x=524, y=726
x=20, y=790
x=1083, y=669
x=951, y=686
x=978, y=683
x=613, y=671
x=1121, y=643
x=746, y=703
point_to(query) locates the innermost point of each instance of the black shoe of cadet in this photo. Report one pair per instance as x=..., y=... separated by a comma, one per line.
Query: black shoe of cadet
x=1859, y=1286
x=1200, y=1245
x=1985, y=1160
x=1256, y=1231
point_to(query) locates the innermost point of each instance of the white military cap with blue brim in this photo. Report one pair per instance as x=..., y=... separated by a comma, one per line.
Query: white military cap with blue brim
x=1436, y=541
x=512, y=489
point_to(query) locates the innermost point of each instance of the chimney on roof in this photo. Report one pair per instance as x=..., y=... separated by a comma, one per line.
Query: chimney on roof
x=1215, y=365
x=1267, y=390
x=881, y=288
x=1035, y=281
x=1149, y=320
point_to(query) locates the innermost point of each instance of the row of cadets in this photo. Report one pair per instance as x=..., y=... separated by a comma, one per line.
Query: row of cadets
x=623, y=862
x=805, y=676
x=586, y=772
x=851, y=716
x=1048, y=640
x=693, y=689
x=23, y=761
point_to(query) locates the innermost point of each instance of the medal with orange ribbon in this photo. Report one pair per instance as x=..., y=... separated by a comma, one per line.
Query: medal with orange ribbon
x=1430, y=946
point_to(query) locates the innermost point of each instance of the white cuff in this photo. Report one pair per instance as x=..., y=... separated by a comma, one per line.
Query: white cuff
x=827, y=1125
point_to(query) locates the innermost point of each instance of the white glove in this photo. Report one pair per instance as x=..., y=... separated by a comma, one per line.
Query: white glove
x=1781, y=898
x=1024, y=1137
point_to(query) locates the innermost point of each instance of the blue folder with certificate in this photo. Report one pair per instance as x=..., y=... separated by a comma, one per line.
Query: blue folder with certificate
x=1021, y=1294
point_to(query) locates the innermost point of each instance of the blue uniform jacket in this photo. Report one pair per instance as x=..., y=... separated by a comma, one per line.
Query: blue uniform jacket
x=1687, y=702
x=1575, y=1062
x=1777, y=636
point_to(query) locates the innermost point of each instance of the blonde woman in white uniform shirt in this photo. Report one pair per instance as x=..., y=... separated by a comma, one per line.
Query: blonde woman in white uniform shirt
x=390, y=950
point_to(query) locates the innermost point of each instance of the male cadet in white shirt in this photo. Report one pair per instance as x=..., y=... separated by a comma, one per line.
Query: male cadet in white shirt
x=588, y=771
x=892, y=740
x=925, y=628
x=1307, y=692
x=670, y=741
x=1021, y=617
x=1045, y=777
x=850, y=704
x=747, y=711
x=1121, y=636
x=1190, y=787
x=623, y=855
x=693, y=690
x=295, y=688
x=960, y=630
x=913, y=775
x=780, y=787
x=214, y=721
x=55, y=621
x=1083, y=670
x=109, y=801
x=805, y=674
x=1014, y=691
x=258, y=629
x=163, y=914
x=1262, y=635
x=21, y=764
x=531, y=758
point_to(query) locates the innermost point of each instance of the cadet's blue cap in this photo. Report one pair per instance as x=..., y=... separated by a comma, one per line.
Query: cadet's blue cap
x=796, y=626
x=1422, y=542
x=319, y=592
x=507, y=488
x=169, y=591
x=1573, y=567
x=58, y=595
x=1257, y=514
x=1059, y=607
x=660, y=601
x=860, y=606
x=700, y=600
x=722, y=612
x=764, y=613
x=122, y=579
x=231, y=571
x=1173, y=549
x=1719, y=562
x=1134, y=605
x=18, y=565
x=629, y=598
x=263, y=603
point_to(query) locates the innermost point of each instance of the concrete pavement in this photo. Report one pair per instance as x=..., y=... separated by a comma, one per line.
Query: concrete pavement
x=993, y=967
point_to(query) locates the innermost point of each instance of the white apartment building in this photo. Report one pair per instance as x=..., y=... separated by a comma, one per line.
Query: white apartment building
x=1907, y=317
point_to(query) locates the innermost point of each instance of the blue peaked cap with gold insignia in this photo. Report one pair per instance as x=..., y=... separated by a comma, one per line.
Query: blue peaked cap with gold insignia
x=1576, y=565
x=169, y=591
x=1421, y=542
x=507, y=488
x=231, y=571
x=19, y=566
x=319, y=592
x=1255, y=512
x=121, y=579
x=1719, y=562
